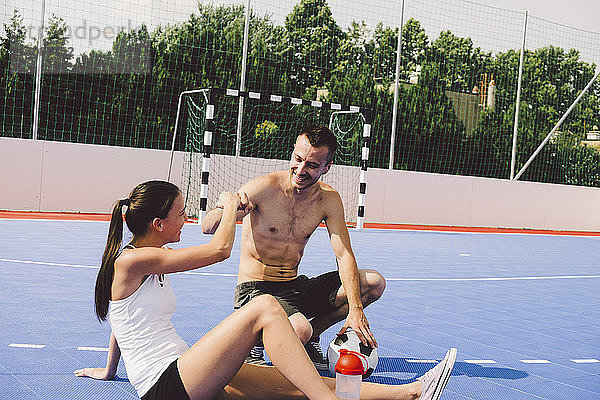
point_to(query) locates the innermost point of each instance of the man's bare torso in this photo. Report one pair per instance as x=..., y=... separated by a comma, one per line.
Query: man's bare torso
x=275, y=233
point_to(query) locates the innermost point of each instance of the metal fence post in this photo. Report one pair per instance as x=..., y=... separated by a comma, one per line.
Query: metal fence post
x=558, y=124
x=238, y=137
x=38, y=75
x=518, y=101
x=396, y=82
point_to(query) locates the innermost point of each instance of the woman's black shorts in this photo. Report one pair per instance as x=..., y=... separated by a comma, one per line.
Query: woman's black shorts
x=168, y=387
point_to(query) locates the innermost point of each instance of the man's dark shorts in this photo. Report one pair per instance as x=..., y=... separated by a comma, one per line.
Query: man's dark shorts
x=310, y=296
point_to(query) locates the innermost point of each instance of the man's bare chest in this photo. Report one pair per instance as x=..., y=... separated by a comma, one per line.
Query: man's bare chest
x=280, y=221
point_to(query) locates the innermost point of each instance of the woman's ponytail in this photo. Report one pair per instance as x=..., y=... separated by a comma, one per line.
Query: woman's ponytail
x=148, y=200
x=107, y=269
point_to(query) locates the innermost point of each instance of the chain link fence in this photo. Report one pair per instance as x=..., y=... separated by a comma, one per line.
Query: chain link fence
x=111, y=74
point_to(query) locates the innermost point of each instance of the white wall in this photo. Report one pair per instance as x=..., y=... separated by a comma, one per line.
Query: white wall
x=434, y=199
x=53, y=176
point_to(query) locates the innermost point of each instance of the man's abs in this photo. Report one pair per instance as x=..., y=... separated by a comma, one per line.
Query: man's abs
x=252, y=269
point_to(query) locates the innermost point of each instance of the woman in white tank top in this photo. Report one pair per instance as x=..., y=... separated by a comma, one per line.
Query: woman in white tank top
x=133, y=292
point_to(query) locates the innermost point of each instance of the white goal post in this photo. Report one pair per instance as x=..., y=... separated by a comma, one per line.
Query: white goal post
x=207, y=171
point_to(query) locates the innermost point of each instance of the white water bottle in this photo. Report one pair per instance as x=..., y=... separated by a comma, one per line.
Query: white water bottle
x=348, y=375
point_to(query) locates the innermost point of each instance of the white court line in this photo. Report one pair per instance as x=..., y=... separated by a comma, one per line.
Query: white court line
x=105, y=349
x=480, y=361
x=583, y=234
x=207, y=273
x=515, y=278
x=464, y=255
x=26, y=345
x=48, y=263
x=53, y=220
x=92, y=348
x=96, y=267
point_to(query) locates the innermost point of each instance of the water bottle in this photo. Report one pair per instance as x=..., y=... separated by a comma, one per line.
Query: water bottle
x=348, y=375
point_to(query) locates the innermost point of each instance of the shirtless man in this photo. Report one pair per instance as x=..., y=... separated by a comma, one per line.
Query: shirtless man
x=281, y=211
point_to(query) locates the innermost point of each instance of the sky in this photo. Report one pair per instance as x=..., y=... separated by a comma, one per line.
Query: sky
x=583, y=14
x=493, y=25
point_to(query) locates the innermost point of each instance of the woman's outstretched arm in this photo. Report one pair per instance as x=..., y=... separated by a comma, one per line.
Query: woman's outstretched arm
x=153, y=260
x=112, y=361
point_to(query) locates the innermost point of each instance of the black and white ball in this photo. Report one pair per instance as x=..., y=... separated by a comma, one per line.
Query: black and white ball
x=349, y=340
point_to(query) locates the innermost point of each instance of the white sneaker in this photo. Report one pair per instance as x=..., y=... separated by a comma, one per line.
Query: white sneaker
x=434, y=381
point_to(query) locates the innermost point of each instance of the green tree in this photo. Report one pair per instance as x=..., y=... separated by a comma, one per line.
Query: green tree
x=313, y=38
x=267, y=68
x=552, y=78
x=17, y=65
x=16, y=55
x=97, y=84
x=202, y=52
x=58, y=98
x=353, y=81
x=414, y=46
x=57, y=56
x=383, y=54
x=429, y=138
x=460, y=63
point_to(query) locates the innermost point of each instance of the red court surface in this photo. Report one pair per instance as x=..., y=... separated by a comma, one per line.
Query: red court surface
x=6, y=214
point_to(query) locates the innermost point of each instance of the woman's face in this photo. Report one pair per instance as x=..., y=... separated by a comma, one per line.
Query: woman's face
x=174, y=221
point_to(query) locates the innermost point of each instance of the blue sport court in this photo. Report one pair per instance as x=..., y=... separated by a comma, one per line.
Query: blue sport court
x=522, y=309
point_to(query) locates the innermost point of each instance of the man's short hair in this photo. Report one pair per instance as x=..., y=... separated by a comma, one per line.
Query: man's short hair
x=320, y=135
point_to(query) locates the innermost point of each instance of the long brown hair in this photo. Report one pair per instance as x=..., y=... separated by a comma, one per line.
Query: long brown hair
x=148, y=200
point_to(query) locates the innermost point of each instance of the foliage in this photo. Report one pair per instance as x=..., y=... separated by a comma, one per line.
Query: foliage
x=17, y=63
x=266, y=130
x=128, y=95
x=312, y=39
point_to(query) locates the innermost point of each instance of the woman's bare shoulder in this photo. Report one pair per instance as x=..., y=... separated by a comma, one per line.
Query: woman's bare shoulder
x=129, y=259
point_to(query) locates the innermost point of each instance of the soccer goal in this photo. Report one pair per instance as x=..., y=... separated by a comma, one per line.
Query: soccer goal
x=220, y=156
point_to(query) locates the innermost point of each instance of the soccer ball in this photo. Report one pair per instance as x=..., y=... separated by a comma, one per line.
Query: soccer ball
x=349, y=340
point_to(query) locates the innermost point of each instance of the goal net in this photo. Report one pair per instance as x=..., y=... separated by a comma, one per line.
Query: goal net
x=221, y=154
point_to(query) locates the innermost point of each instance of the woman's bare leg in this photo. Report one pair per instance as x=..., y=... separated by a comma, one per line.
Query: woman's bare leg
x=255, y=382
x=215, y=359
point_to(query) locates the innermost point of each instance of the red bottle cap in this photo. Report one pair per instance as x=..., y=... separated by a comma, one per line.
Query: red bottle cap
x=349, y=363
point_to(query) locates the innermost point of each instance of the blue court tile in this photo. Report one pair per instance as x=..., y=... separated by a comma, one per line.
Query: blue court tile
x=31, y=360
x=590, y=382
x=80, y=339
x=14, y=387
x=549, y=371
x=501, y=392
x=525, y=331
x=68, y=386
x=49, y=373
x=501, y=320
x=476, y=388
x=579, y=370
x=565, y=390
x=585, y=368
